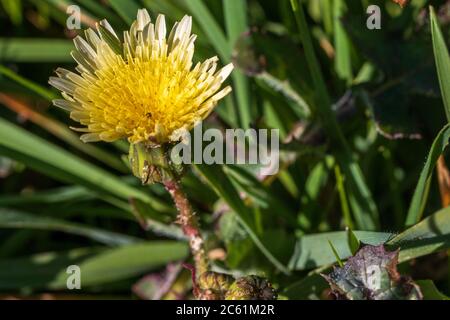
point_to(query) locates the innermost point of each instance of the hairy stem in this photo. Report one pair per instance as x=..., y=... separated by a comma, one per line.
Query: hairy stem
x=189, y=224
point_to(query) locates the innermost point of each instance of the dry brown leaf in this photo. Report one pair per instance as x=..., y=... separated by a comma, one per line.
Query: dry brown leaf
x=444, y=181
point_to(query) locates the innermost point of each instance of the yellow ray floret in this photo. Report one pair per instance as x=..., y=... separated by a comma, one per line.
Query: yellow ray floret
x=145, y=88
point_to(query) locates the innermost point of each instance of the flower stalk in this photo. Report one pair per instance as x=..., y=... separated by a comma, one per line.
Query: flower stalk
x=188, y=220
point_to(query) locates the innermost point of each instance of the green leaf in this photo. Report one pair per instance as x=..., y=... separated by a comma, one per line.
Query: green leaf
x=442, y=61
x=19, y=220
x=35, y=50
x=420, y=196
x=224, y=188
x=98, y=266
x=43, y=156
x=430, y=235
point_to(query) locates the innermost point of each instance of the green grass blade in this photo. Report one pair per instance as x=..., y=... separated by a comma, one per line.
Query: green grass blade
x=363, y=206
x=343, y=197
x=62, y=165
x=336, y=255
x=19, y=220
x=14, y=10
x=343, y=62
x=210, y=27
x=30, y=85
x=98, y=265
x=442, y=59
x=420, y=196
x=62, y=132
x=35, y=50
x=235, y=12
x=58, y=195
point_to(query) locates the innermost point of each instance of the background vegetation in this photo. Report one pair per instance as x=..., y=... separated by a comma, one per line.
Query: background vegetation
x=358, y=111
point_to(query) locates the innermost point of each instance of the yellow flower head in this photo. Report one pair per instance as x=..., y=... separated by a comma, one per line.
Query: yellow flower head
x=144, y=89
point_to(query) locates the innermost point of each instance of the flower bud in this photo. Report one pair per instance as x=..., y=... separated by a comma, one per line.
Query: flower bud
x=152, y=164
x=251, y=288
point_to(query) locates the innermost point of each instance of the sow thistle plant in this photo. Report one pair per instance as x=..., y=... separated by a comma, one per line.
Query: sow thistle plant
x=146, y=89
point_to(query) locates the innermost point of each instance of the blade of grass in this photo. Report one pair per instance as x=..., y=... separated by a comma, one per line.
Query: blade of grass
x=442, y=59
x=58, y=195
x=14, y=10
x=420, y=196
x=43, y=156
x=19, y=220
x=343, y=197
x=343, y=62
x=235, y=12
x=98, y=265
x=363, y=206
x=336, y=255
x=61, y=131
x=35, y=50
x=30, y=85
x=210, y=27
